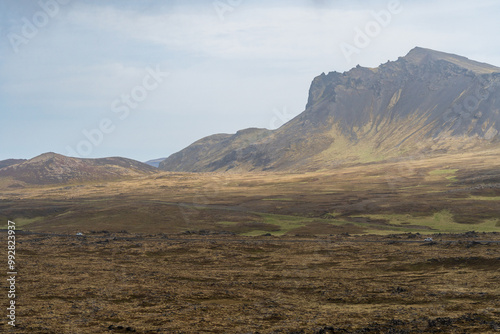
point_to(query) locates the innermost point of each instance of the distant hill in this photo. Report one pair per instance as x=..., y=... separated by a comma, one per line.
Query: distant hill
x=10, y=162
x=155, y=162
x=52, y=168
x=427, y=102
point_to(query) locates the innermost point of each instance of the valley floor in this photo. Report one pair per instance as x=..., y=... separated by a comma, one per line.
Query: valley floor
x=449, y=193
x=334, y=251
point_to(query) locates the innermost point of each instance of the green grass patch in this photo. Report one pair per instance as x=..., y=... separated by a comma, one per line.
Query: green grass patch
x=485, y=198
x=286, y=223
x=331, y=215
x=447, y=173
x=452, y=178
x=279, y=199
x=443, y=171
x=283, y=222
x=20, y=222
x=227, y=223
x=440, y=222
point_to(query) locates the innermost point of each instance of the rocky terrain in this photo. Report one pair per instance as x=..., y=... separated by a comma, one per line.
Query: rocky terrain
x=426, y=102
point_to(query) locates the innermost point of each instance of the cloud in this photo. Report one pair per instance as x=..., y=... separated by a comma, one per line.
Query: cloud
x=225, y=74
x=257, y=33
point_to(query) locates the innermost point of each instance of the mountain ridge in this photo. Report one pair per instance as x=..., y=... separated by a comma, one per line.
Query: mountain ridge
x=426, y=102
x=419, y=55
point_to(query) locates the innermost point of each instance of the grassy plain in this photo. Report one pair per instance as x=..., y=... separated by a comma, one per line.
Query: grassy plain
x=450, y=193
x=338, y=251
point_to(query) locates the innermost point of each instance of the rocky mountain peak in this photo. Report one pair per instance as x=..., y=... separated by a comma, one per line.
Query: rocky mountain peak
x=420, y=56
x=427, y=101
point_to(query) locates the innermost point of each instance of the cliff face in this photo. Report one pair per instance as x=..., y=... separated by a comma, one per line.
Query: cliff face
x=425, y=102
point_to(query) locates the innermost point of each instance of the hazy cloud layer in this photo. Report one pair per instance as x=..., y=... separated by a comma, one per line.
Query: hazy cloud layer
x=231, y=64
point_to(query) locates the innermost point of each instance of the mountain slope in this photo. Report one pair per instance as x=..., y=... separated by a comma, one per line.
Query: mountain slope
x=426, y=102
x=10, y=162
x=51, y=168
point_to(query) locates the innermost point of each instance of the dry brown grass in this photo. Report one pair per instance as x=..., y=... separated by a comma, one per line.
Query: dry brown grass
x=213, y=280
x=344, y=199
x=248, y=285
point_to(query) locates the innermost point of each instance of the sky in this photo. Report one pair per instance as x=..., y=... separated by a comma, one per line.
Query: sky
x=145, y=79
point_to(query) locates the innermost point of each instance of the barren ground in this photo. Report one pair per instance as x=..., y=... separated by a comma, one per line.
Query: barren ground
x=107, y=283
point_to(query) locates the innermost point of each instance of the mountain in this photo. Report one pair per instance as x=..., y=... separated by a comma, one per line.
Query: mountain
x=52, y=168
x=10, y=162
x=155, y=162
x=427, y=102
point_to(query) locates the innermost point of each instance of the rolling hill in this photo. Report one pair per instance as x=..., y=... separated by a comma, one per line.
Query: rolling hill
x=50, y=168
